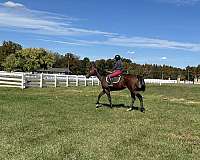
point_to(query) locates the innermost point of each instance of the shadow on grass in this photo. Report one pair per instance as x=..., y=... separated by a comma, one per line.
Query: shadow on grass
x=117, y=106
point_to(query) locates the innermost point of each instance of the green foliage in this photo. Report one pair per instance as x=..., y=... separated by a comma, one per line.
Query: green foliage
x=29, y=59
x=74, y=63
x=10, y=63
x=85, y=65
x=101, y=65
x=60, y=61
x=69, y=60
x=7, y=49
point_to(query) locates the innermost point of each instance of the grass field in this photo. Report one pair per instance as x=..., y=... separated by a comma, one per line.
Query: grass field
x=63, y=123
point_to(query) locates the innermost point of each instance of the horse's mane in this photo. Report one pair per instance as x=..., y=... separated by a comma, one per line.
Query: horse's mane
x=102, y=72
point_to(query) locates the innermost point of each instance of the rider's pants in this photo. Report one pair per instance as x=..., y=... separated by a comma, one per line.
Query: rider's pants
x=115, y=73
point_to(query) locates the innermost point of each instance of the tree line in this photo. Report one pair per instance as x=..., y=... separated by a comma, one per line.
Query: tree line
x=13, y=57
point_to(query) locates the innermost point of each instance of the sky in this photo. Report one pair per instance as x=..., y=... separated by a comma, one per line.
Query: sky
x=145, y=31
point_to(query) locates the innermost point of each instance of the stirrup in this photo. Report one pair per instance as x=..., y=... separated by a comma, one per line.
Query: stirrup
x=110, y=83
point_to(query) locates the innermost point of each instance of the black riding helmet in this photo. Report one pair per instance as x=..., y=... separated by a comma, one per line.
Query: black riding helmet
x=117, y=57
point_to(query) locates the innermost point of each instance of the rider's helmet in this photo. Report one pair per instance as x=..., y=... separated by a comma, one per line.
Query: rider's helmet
x=117, y=57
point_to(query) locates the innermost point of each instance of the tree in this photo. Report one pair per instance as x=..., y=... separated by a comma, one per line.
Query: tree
x=74, y=63
x=7, y=49
x=85, y=64
x=59, y=61
x=29, y=59
x=101, y=65
x=109, y=64
x=10, y=63
x=68, y=59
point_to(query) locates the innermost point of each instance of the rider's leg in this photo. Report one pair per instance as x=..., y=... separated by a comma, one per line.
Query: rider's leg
x=115, y=73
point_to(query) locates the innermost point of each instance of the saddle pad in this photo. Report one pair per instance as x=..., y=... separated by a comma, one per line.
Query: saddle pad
x=114, y=79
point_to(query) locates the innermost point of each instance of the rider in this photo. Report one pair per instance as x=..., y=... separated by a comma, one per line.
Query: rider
x=118, y=69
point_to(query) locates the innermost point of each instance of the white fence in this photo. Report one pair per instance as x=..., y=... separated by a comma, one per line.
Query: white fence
x=162, y=81
x=24, y=80
x=12, y=80
x=57, y=80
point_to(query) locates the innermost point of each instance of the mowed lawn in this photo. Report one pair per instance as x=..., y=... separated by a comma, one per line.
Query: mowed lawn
x=62, y=123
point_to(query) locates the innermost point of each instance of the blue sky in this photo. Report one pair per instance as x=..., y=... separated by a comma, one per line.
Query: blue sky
x=146, y=31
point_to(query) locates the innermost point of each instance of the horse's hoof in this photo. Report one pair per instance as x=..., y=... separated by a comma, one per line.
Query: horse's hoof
x=130, y=109
x=142, y=109
x=97, y=106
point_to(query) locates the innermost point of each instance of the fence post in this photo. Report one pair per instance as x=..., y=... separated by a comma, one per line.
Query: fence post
x=76, y=80
x=41, y=80
x=22, y=84
x=55, y=76
x=85, y=81
x=178, y=80
x=67, y=81
x=92, y=81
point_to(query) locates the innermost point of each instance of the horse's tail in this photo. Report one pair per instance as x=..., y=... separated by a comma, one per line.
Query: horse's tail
x=142, y=85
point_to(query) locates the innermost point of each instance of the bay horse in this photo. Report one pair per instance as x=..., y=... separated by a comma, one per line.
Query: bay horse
x=134, y=83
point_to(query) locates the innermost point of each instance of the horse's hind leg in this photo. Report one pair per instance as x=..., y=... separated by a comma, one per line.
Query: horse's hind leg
x=100, y=94
x=132, y=102
x=141, y=102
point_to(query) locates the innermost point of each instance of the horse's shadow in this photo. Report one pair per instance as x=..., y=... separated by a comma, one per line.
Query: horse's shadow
x=117, y=106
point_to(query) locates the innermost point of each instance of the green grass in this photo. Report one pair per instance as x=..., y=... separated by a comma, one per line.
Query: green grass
x=63, y=123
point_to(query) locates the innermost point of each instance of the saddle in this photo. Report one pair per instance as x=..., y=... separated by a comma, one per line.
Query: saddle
x=114, y=79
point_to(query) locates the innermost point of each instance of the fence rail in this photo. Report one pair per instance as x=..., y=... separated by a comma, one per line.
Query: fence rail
x=162, y=81
x=57, y=80
x=25, y=80
x=12, y=80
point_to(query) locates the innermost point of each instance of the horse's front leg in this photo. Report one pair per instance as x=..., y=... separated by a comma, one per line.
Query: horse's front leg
x=142, y=109
x=109, y=97
x=132, y=102
x=98, y=99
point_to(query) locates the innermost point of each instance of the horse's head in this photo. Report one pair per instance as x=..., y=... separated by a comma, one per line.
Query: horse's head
x=92, y=71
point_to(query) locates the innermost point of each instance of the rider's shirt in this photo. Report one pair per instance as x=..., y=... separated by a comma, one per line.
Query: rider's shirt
x=118, y=65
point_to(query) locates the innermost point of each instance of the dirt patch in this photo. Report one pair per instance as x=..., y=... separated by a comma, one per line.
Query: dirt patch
x=186, y=137
x=180, y=100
